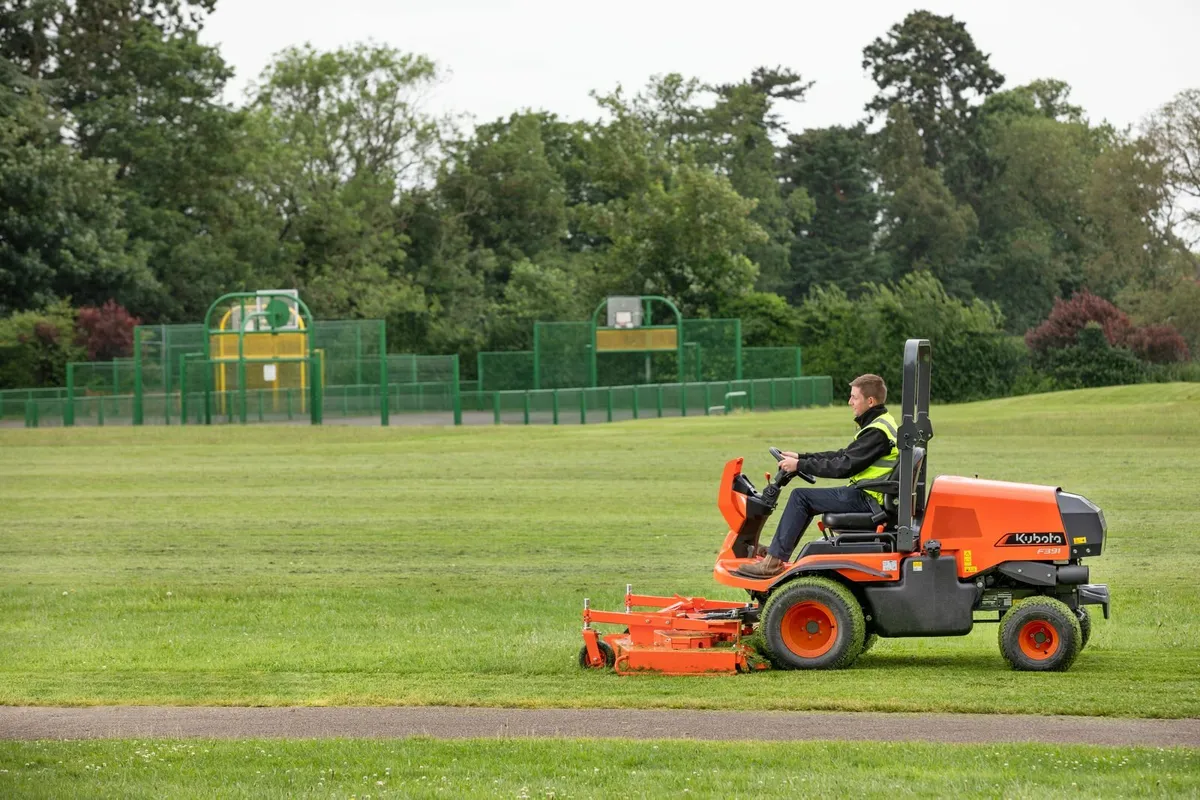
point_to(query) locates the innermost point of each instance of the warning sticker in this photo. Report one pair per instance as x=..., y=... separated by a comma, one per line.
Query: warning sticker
x=889, y=565
x=1079, y=540
x=918, y=566
x=968, y=567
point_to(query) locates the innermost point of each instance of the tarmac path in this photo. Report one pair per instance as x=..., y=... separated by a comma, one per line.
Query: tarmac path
x=140, y=722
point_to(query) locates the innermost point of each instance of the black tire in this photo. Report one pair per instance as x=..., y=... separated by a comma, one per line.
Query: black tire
x=1085, y=625
x=1040, y=634
x=813, y=623
x=869, y=642
x=610, y=657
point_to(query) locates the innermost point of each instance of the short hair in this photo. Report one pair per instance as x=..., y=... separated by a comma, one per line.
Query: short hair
x=871, y=386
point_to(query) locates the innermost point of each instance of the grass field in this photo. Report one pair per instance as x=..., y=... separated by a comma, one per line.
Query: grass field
x=574, y=768
x=297, y=565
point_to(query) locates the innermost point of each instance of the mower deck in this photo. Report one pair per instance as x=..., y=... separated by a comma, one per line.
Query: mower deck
x=671, y=636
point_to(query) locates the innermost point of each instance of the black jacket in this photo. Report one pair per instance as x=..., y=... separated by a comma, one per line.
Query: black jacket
x=854, y=457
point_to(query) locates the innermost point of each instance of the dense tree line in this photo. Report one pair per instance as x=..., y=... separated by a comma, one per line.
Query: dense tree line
x=955, y=204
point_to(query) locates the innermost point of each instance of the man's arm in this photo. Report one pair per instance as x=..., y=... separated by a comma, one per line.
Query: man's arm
x=850, y=460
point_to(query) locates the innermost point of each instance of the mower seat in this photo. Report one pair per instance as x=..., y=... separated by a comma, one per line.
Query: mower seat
x=852, y=521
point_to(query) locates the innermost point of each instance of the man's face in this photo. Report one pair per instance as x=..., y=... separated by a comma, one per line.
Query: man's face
x=859, y=403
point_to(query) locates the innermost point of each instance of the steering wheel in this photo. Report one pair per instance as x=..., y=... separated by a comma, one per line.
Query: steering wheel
x=782, y=477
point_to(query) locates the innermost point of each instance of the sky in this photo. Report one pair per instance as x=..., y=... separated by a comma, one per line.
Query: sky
x=505, y=56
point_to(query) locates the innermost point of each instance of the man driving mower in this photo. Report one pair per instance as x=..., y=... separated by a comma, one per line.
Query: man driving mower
x=871, y=454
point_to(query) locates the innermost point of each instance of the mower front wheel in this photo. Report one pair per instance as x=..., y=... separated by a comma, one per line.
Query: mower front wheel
x=813, y=623
x=1085, y=625
x=1040, y=634
x=610, y=657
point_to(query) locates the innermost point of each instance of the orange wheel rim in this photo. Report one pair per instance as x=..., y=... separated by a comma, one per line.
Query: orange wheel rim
x=809, y=629
x=1039, y=640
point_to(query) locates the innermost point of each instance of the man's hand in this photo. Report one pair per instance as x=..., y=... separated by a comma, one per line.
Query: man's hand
x=789, y=462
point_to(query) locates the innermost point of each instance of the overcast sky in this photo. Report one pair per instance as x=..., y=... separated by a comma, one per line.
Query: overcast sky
x=506, y=55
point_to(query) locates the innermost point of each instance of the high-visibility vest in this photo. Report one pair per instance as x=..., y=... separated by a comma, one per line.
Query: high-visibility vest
x=884, y=466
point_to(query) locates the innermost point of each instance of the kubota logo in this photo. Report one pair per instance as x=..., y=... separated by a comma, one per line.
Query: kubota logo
x=1026, y=539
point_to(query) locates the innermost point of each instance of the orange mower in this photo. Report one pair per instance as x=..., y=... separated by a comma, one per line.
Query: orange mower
x=925, y=564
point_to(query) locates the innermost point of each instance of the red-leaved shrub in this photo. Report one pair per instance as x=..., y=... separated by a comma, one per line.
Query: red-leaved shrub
x=106, y=332
x=1158, y=344
x=1069, y=317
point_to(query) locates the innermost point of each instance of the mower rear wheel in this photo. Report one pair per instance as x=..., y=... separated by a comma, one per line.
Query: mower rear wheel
x=1085, y=625
x=869, y=642
x=813, y=623
x=1040, y=634
x=610, y=657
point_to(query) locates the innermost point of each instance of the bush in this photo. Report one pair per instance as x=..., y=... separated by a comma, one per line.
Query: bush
x=1092, y=361
x=35, y=347
x=106, y=332
x=845, y=338
x=1069, y=317
x=1158, y=344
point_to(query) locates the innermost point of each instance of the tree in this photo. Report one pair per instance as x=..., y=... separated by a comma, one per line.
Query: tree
x=924, y=226
x=139, y=94
x=62, y=228
x=512, y=198
x=834, y=167
x=930, y=64
x=1174, y=131
x=347, y=136
x=685, y=238
x=739, y=131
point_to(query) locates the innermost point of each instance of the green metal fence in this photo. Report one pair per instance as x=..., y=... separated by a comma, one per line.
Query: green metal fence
x=435, y=402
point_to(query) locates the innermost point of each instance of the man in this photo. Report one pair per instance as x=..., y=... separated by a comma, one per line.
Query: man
x=871, y=455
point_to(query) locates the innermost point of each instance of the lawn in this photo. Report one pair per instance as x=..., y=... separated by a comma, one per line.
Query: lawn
x=579, y=768
x=296, y=565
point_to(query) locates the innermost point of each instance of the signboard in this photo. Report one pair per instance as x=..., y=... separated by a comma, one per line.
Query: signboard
x=610, y=340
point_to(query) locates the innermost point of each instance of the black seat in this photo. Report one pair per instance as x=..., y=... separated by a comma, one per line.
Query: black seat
x=889, y=487
x=852, y=521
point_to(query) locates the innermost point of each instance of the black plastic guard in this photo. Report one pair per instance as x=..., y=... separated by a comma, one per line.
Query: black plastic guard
x=1094, y=594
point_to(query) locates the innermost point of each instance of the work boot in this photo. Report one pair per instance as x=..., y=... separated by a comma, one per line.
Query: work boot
x=769, y=567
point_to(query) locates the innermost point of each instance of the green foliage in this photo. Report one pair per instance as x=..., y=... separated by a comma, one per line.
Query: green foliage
x=1092, y=361
x=35, y=347
x=924, y=226
x=685, y=238
x=844, y=337
x=833, y=169
x=62, y=228
x=930, y=64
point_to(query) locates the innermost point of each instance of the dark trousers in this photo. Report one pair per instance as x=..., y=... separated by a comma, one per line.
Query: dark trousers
x=806, y=503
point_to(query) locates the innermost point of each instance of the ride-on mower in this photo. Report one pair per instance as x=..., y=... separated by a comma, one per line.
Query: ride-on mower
x=971, y=551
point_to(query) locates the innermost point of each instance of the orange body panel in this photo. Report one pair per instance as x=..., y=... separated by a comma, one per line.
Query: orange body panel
x=971, y=517
x=731, y=504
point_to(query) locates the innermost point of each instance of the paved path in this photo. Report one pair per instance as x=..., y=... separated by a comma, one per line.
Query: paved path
x=453, y=723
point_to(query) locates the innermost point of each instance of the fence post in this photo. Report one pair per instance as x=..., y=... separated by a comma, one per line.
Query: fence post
x=707, y=399
x=658, y=399
x=683, y=399
x=526, y=407
x=582, y=406
x=634, y=390
x=385, y=412
x=610, y=404
x=554, y=404
x=456, y=397
x=99, y=413
x=69, y=411
x=496, y=407
x=138, y=406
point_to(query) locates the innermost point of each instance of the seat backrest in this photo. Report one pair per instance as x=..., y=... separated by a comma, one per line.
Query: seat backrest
x=891, y=495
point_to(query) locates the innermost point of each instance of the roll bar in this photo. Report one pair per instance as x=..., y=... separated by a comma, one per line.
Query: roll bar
x=915, y=431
